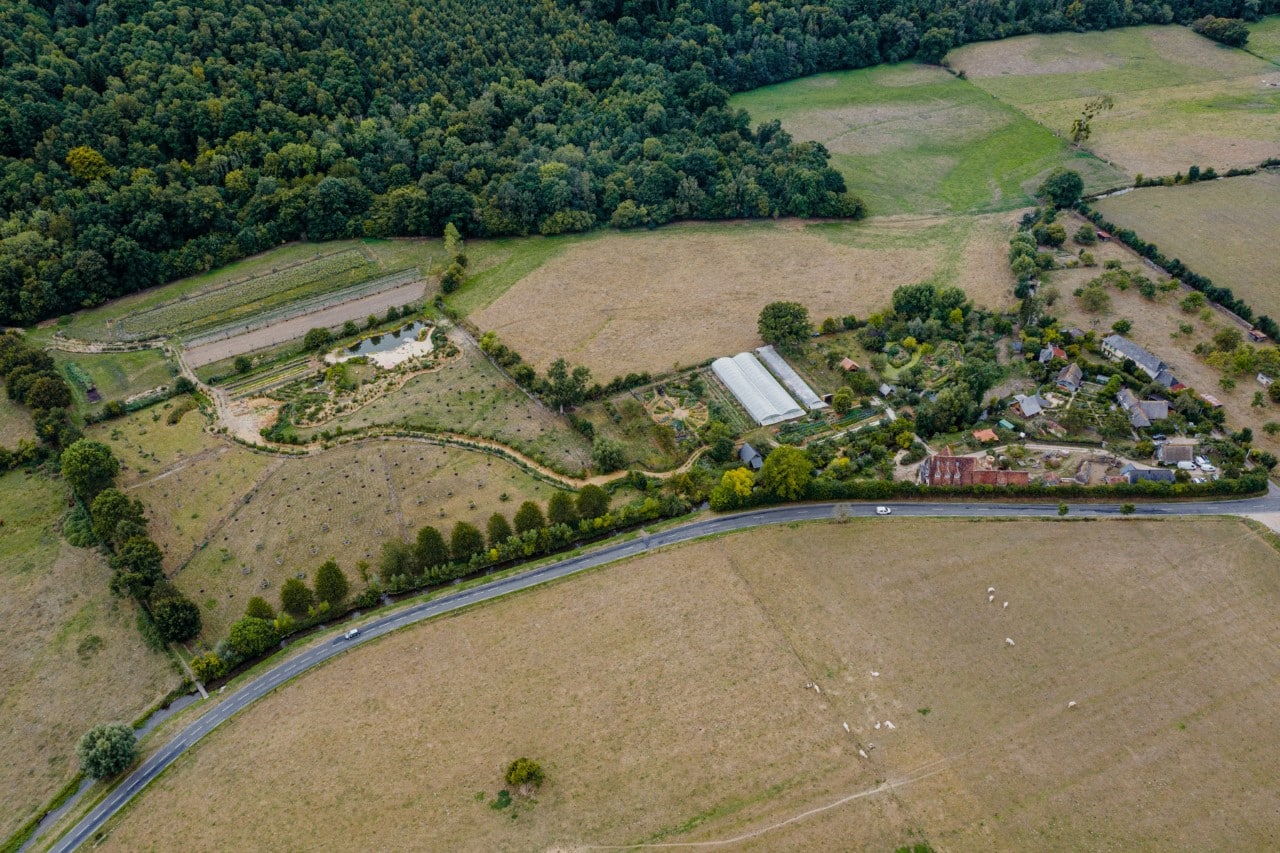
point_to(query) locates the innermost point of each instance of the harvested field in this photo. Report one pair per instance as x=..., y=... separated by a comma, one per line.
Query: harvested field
x=684, y=294
x=328, y=316
x=677, y=687
x=912, y=138
x=1180, y=99
x=1223, y=229
x=72, y=654
x=342, y=504
x=116, y=375
x=467, y=394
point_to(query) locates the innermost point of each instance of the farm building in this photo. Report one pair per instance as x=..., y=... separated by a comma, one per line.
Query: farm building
x=1142, y=413
x=1173, y=452
x=848, y=365
x=947, y=469
x=1134, y=474
x=795, y=384
x=751, y=457
x=1029, y=406
x=1070, y=378
x=1049, y=353
x=1256, y=336
x=759, y=393
x=1119, y=348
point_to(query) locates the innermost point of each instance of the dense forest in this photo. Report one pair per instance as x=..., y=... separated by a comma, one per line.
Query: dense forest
x=143, y=141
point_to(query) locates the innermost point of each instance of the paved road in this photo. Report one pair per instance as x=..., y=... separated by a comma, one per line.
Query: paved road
x=277, y=676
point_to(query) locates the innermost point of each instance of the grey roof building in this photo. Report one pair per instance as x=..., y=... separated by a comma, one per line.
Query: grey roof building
x=1070, y=378
x=1134, y=474
x=751, y=457
x=1120, y=348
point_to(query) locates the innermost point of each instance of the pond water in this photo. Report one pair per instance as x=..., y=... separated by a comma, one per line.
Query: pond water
x=389, y=341
x=389, y=349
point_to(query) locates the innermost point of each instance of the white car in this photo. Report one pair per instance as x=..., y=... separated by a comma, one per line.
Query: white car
x=352, y=634
x=883, y=510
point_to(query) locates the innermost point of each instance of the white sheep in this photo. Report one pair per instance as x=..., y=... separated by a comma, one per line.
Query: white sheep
x=888, y=725
x=846, y=727
x=1071, y=705
x=817, y=689
x=862, y=752
x=1006, y=606
x=1009, y=642
x=877, y=727
x=991, y=589
x=990, y=598
x=875, y=674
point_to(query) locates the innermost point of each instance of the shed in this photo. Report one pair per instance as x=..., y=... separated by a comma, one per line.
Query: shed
x=1264, y=380
x=751, y=457
x=848, y=365
x=886, y=390
x=1256, y=336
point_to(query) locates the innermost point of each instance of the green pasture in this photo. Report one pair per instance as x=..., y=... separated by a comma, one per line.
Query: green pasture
x=117, y=375
x=1264, y=39
x=912, y=138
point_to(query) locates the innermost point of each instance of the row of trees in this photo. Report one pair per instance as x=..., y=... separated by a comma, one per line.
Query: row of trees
x=119, y=523
x=32, y=379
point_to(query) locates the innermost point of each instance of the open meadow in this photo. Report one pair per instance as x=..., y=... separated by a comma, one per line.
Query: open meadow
x=688, y=293
x=1180, y=99
x=15, y=423
x=913, y=138
x=671, y=703
x=341, y=504
x=1223, y=229
x=72, y=654
x=467, y=394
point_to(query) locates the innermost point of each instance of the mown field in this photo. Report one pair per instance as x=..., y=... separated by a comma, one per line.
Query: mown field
x=912, y=138
x=689, y=293
x=1180, y=99
x=1264, y=38
x=467, y=394
x=677, y=687
x=342, y=504
x=72, y=654
x=1223, y=229
x=15, y=423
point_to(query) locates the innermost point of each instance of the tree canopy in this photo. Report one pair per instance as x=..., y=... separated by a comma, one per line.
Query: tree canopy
x=785, y=325
x=107, y=750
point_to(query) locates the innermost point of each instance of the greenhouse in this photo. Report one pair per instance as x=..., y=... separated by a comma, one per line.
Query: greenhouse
x=760, y=394
x=795, y=384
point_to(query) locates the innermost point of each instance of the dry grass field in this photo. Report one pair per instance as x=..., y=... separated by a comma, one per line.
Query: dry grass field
x=15, y=423
x=666, y=700
x=1223, y=229
x=1180, y=99
x=72, y=654
x=688, y=293
x=342, y=504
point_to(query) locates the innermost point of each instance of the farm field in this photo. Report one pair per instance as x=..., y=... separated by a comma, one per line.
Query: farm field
x=15, y=423
x=249, y=287
x=913, y=138
x=1264, y=38
x=678, y=686
x=117, y=375
x=342, y=504
x=689, y=293
x=1223, y=229
x=1180, y=99
x=467, y=394
x=72, y=654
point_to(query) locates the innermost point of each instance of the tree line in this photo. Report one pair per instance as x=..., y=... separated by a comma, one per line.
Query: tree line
x=145, y=142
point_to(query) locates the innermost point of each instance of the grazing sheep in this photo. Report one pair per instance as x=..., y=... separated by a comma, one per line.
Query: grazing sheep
x=1006, y=606
x=990, y=589
x=862, y=752
x=817, y=689
x=888, y=725
x=875, y=674
x=1008, y=641
x=990, y=598
x=877, y=726
x=1071, y=705
x=846, y=727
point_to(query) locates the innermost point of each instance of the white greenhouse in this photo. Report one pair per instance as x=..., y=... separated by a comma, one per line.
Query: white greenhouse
x=795, y=384
x=760, y=394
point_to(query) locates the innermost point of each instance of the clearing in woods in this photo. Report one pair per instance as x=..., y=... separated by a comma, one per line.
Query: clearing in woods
x=1180, y=99
x=72, y=654
x=912, y=138
x=689, y=293
x=341, y=504
x=678, y=687
x=1223, y=229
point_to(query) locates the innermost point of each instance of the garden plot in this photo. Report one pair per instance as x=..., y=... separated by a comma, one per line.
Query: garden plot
x=467, y=394
x=912, y=138
x=114, y=376
x=1180, y=99
x=342, y=505
x=72, y=654
x=679, y=686
x=678, y=296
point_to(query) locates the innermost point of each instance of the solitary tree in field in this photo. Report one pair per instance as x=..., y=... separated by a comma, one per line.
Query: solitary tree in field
x=529, y=517
x=525, y=775
x=785, y=325
x=1082, y=127
x=243, y=364
x=107, y=750
x=89, y=467
x=1063, y=188
x=332, y=586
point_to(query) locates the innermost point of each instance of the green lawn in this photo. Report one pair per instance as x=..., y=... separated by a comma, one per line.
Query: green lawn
x=913, y=138
x=495, y=265
x=1264, y=39
x=116, y=375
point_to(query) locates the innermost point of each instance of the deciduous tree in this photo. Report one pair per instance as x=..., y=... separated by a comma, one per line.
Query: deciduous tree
x=529, y=517
x=785, y=325
x=560, y=509
x=332, y=586
x=106, y=750
x=89, y=467
x=498, y=530
x=465, y=542
x=593, y=501
x=296, y=597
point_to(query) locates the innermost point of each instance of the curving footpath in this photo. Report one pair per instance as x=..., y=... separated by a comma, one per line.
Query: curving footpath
x=264, y=684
